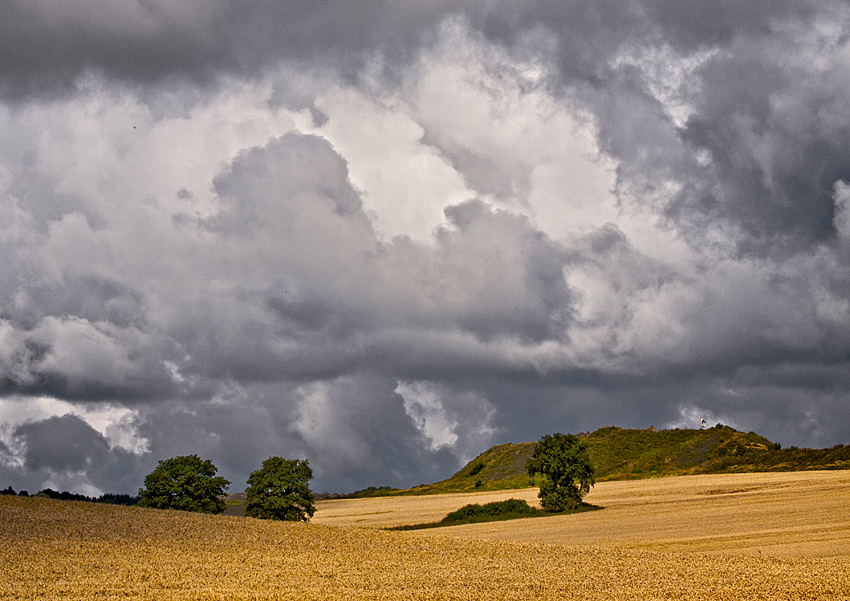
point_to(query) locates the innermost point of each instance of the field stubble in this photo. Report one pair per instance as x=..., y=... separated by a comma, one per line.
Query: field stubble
x=789, y=514
x=72, y=550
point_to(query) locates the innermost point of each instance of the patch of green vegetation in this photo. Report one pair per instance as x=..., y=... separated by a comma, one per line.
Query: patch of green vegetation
x=784, y=460
x=476, y=468
x=497, y=511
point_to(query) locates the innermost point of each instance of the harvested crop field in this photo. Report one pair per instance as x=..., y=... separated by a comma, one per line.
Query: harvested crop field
x=72, y=550
x=386, y=512
x=789, y=514
x=798, y=514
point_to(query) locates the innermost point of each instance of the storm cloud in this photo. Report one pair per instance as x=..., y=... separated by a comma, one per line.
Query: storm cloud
x=384, y=236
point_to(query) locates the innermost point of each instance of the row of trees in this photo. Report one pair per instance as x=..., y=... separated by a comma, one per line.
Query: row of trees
x=49, y=493
x=279, y=490
x=11, y=491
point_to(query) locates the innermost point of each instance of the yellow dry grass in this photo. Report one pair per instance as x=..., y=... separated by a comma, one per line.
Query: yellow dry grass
x=791, y=514
x=69, y=550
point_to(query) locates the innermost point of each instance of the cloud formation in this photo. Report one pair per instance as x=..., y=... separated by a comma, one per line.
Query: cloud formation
x=384, y=236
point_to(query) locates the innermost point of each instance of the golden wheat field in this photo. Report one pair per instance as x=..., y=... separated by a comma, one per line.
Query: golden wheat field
x=71, y=550
x=791, y=514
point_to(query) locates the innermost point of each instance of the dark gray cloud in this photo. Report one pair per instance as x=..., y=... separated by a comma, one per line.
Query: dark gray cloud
x=182, y=256
x=760, y=118
x=352, y=429
x=62, y=444
x=67, y=453
x=46, y=48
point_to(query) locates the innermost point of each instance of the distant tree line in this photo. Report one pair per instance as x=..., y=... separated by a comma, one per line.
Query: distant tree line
x=49, y=493
x=372, y=491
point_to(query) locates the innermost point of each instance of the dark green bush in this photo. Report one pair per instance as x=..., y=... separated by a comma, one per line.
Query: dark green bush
x=490, y=512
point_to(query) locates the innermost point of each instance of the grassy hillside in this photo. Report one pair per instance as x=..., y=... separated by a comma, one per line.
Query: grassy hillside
x=624, y=454
x=621, y=454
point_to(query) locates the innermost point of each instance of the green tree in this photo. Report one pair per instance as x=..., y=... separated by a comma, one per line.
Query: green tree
x=563, y=463
x=279, y=491
x=186, y=483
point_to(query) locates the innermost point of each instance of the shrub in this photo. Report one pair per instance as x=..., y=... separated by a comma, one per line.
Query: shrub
x=489, y=512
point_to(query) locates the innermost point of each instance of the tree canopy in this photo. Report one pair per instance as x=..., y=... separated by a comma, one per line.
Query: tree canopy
x=279, y=490
x=187, y=483
x=563, y=463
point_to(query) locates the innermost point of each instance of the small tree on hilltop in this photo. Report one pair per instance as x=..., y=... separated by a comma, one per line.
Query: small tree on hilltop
x=279, y=491
x=563, y=463
x=186, y=483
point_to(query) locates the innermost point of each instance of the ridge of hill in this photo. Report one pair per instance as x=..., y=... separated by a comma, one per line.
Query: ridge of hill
x=626, y=454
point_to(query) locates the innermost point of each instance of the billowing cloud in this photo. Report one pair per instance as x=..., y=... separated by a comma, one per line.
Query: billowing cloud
x=62, y=444
x=384, y=236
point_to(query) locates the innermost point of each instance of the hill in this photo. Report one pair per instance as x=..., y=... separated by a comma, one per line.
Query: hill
x=625, y=454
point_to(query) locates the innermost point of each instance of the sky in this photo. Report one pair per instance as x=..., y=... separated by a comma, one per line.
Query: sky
x=384, y=235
